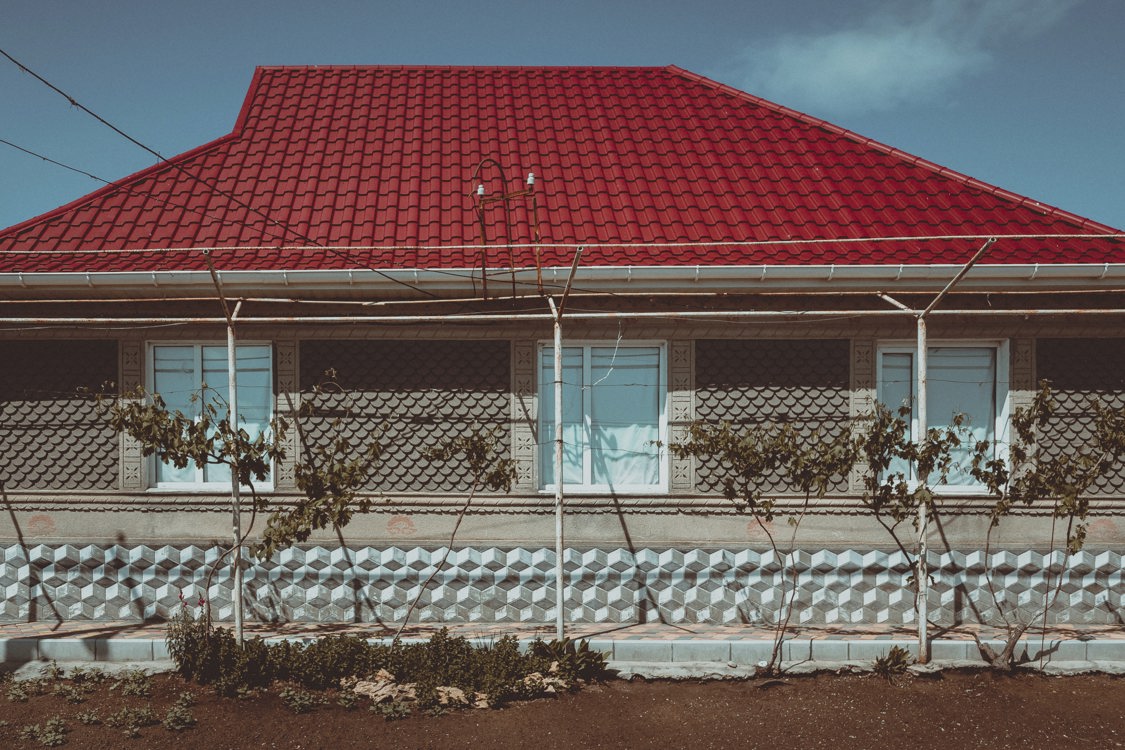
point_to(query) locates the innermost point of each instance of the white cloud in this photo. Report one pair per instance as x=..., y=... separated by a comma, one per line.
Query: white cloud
x=890, y=58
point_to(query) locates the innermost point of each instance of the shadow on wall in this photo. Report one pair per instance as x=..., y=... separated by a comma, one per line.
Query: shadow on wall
x=35, y=587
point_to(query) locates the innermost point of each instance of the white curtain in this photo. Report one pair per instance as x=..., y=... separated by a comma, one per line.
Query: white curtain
x=611, y=416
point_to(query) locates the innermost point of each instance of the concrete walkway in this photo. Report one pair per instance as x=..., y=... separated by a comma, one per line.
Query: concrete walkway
x=725, y=649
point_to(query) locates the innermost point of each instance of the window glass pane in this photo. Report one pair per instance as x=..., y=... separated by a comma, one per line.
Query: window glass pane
x=180, y=372
x=174, y=378
x=574, y=425
x=896, y=389
x=624, y=415
x=255, y=389
x=962, y=380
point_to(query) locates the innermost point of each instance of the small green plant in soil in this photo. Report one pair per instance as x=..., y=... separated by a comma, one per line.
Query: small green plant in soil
x=51, y=733
x=179, y=716
x=575, y=658
x=70, y=692
x=300, y=701
x=52, y=672
x=892, y=664
x=92, y=676
x=347, y=700
x=391, y=711
x=89, y=718
x=19, y=691
x=131, y=720
x=135, y=682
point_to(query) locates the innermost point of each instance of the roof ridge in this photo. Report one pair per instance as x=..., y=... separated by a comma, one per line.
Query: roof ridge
x=378, y=66
x=1020, y=200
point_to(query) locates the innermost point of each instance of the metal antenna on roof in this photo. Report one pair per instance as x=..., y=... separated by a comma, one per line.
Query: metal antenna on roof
x=505, y=197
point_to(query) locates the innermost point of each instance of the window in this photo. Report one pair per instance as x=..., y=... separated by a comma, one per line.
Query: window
x=613, y=416
x=178, y=373
x=962, y=378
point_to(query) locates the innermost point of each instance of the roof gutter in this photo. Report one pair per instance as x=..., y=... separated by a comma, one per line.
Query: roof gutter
x=717, y=279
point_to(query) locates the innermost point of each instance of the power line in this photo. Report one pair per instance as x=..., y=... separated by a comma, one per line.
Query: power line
x=132, y=191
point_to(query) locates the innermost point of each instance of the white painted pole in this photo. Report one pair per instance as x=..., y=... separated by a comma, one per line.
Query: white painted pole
x=922, y=571
x=559, y=580
x=236, y=504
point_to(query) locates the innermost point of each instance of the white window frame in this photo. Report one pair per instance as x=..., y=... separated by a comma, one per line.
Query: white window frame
x=150, y=377
x=1001, y=428
x=546, y=391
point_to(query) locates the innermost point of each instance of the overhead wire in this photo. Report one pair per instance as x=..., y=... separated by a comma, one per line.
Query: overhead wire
x=132, y=191
x=345, y=251
x=206, y=183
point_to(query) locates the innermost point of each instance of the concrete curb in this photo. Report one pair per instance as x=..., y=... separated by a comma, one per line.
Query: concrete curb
x=717, y=656
x=731, y=671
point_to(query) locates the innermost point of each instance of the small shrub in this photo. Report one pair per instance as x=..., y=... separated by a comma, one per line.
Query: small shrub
x=18, y=692
x=51, y=734
x=131, y=720
x=71, y=693
x=178, y=718
x=92, y=676
x=213, y=656
x=52, y=672
x=300, y=701
x=324, y=662
x=893, y=664
x=134, y=682
x=89, y=718
x=347, y=700
x=504, y=671
x=575, y=659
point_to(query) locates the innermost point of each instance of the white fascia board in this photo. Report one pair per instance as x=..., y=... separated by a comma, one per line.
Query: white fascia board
x=717, y=279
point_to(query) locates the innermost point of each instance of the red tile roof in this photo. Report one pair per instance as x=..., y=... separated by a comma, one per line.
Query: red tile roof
x=379, y=157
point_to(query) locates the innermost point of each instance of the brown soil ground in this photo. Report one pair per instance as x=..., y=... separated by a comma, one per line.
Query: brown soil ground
x=842, y=712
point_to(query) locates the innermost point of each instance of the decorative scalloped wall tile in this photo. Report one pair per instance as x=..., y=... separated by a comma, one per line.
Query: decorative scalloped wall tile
x=422, y=391
x=50, y=437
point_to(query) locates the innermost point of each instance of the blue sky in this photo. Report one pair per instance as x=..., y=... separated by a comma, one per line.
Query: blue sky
x=1025, y=94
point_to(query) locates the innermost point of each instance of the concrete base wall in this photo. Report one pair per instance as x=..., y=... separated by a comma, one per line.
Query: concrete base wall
x=516, y=584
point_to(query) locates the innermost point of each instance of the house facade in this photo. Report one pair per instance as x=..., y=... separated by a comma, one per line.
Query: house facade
x=401, y=230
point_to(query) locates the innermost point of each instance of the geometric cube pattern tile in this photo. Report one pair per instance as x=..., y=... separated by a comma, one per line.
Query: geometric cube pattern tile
x=493, y=584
